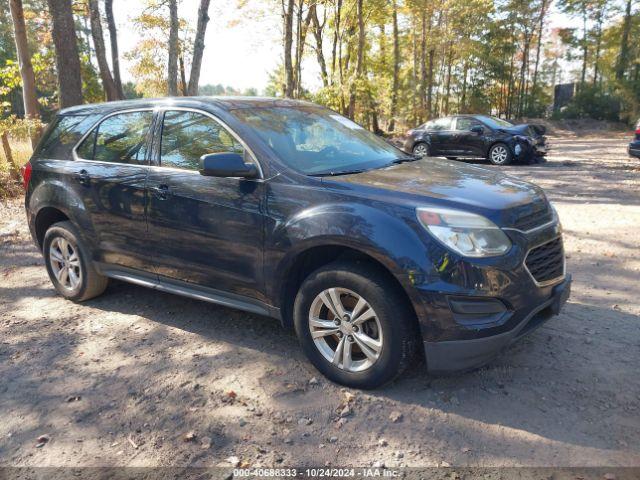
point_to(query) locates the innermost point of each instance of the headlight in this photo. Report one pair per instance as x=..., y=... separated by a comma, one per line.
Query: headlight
x=465, y=233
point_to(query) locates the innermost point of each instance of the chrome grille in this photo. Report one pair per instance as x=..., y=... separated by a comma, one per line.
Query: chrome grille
x=534, y=219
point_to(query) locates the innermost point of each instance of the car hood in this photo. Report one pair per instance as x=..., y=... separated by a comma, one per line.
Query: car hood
x=532, y=130
x=453, y=184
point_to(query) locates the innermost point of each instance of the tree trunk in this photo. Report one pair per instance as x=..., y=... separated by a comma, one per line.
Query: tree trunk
x=113, y=40
x=396, y=69
x=24, y=60
x=336, y=36
x=198, y=47
x=172, y=69
x=317, y=30
x=67, y=58
x=596, y=60
x=534, y=83
x=98, y=44
x=585, y=46
x=183, y=75
x=448, y=88
x=623, y=56
x=463, y=100
x=288, y=43
x=15, y=169
x=359, y=58
x=423, y=65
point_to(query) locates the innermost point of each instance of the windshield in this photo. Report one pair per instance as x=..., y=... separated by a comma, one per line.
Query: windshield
x=495, y=122
x=318, y=141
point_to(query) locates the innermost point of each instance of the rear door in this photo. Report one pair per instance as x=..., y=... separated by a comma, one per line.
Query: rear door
x=441, y=134
x=203, y=230
x=110, y=172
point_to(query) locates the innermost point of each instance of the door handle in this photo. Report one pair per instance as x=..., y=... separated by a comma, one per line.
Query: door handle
x=161, y=191
x=83, y=178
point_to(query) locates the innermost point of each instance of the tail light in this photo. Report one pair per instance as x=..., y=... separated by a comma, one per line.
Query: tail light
x=638, y=128
x=26, y=175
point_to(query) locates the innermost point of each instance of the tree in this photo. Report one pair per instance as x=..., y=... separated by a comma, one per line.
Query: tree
x=623, y=55
x=24, y=59
x=67, y=58
x=172, y=70
x=287, y=15
x=198, y=47
x=113, y=40
x=98, y=43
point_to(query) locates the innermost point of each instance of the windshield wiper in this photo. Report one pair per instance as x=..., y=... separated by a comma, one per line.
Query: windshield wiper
x=338, y=172
x=408, y=158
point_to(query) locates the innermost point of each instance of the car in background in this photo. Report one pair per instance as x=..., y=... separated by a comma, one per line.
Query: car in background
x=634, y=146
x=478, y=136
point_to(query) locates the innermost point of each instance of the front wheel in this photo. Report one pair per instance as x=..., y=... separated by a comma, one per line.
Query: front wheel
x=354, y=325
x=500, y=154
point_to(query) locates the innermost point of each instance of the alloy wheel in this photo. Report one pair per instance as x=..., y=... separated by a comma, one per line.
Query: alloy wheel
x=421, y=150
x=499, y=154
x=65, y=263
x=345, y=329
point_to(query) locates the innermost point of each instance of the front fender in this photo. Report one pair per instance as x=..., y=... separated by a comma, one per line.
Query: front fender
x=383, y=235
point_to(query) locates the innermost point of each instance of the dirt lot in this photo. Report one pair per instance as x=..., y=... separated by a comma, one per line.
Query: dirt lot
x=142, y=378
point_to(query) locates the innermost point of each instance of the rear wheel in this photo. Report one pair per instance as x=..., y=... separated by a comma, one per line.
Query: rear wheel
x=69, y=264
x=500, y=154
x=421, y=149
x=354, y=325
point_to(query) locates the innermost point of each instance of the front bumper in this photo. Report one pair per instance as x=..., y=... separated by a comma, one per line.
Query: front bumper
x=456, y=355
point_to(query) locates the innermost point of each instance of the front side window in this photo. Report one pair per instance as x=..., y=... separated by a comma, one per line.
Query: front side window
x=186, y=136
x=317, y=141
x=466, y=123
x=121, y=138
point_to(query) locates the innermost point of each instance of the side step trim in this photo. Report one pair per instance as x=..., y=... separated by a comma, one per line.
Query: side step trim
x=196, y=292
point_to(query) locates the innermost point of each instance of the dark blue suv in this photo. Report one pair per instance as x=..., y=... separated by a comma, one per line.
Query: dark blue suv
x=287, y=209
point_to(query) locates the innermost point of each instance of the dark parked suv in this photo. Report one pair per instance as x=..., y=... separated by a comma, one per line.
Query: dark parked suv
x=287, y=209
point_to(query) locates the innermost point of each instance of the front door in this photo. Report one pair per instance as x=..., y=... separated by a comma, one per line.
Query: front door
x=110, y=172
x=203, y=230
x=468, y=142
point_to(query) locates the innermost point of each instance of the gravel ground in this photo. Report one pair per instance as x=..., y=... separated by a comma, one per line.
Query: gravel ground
x=142, y=378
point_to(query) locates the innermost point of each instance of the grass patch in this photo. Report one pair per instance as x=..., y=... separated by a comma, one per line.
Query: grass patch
x=21, y=152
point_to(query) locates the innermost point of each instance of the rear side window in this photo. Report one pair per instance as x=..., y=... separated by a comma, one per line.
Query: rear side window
x=466, y=123
x=63, y=135
x=120, y=138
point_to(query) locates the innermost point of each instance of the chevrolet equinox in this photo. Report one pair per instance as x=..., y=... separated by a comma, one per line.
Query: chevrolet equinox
x=290, y=210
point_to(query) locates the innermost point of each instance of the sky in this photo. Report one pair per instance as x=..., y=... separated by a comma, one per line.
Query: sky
x=240, y=54
x=242, y=44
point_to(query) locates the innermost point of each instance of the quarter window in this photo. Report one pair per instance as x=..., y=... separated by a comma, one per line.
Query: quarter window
x=121, y=138
x=186, y=136
x=440, y=124
x=63, y=135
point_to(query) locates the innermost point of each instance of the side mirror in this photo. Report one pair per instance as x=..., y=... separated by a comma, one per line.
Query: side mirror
x=226, y=165
x=478, y=129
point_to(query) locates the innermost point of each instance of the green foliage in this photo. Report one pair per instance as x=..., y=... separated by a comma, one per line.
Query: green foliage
x=593, y=102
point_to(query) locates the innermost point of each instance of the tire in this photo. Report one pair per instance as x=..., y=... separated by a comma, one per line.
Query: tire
x=500, y=154
x=421, y=149
x=390, y=332
x=62, y=237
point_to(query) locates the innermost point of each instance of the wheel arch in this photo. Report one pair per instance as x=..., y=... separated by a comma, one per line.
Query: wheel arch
x=315, y=257
x=46, y=217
